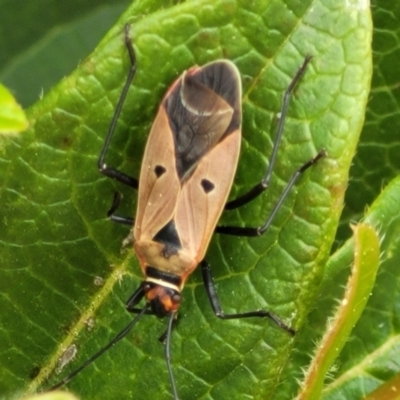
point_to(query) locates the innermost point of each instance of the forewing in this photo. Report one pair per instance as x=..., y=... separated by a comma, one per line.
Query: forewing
x=205, y=191
x=203, y=197
x=159, y=184
x=190, y=158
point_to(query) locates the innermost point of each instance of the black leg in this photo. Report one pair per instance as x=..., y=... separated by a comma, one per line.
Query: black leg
x=136, y=297
x=263, y=185
x=103, y=167
x=248, y=231
x=216, y=306
x=117, y=218
x=116, y=339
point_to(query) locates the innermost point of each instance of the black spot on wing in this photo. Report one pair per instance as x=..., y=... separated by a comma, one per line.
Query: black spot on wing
x=207, y=185
x=159, y=170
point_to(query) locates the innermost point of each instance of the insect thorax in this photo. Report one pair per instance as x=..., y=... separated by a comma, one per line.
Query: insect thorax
x=172, y=266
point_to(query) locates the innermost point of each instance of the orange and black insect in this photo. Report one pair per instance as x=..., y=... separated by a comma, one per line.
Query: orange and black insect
x=186, y=175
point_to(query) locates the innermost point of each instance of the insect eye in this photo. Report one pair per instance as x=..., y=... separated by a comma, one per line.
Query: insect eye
x=159, y=170
x=146, y=287
x=176, y=298
x=207, y=185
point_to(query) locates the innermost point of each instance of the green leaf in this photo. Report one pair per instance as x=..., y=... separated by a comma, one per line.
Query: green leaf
x=371, y=346
x=58, y=246
x=35, y=56
x=369, y=360
x=377, y=161
x=12, y=118
x=358, y=289
x=57, y=395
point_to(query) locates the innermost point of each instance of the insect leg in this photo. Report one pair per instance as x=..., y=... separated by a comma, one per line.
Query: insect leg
x=103, y=167
x=248, y=231
x=116, y=339
x=136, y=297
x=118, y=218
x=216, y=305
x=263, y=185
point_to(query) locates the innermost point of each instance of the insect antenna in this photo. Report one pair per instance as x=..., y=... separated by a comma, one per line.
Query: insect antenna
x=168, y=353
x=117, y=338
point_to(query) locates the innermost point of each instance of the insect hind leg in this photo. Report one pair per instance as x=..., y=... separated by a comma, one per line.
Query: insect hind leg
x=264, y=184
x=103, y=167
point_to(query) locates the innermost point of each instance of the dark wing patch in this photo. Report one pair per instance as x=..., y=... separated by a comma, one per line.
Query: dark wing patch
x=222, y=78
x=202, y=109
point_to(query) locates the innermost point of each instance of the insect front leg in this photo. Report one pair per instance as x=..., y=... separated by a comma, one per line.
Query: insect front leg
x=103, y=167
x=133, y=301
x=138, y=295
x=216, y=305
